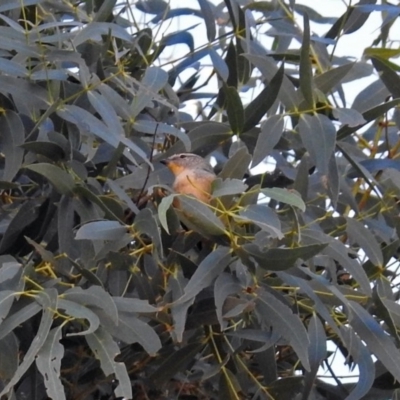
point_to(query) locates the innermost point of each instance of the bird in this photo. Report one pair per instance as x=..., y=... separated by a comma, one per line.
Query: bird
x=193, y=175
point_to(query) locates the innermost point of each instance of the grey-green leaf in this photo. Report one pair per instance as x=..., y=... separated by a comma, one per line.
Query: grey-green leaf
x=289, y=325
x=60, y=179
x=105, y=350
x=12, y=136
x=163, y=207
x=199, y=217
x=95, y=297
x=234, y=109
x=101, y=230
x=48, y=361
x=318, y=135
x=280, y=259
x=48, y=301
x=209, y=18
x=262, y=216
x=375, y=338
x=206, y=272
x=358, y=233
x=228, y=187
x=306, y=78
x=271, y=132
x=79, y=311
x=286, y=196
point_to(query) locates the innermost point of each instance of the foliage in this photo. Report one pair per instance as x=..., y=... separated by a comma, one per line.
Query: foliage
x=107, y=290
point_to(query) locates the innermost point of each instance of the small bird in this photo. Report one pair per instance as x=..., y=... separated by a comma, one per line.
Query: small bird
x=193, y=175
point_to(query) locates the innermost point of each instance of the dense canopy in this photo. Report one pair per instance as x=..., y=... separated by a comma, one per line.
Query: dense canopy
x=109, y=291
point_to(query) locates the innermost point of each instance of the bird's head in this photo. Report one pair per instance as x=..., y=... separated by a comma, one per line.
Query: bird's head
x=186, y=161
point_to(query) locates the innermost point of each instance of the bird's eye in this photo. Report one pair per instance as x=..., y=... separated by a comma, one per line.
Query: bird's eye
x=182, y=156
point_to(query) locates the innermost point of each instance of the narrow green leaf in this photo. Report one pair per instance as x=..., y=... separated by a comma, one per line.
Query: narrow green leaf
x=209, y=19
x=280, y=259
x=286, y=196
x=378, y=342
x=369, y=116
x=101, y=230
x=61, y=180
x=204, y=138
x=88, y=123
x=306, y=77
x=48, y=362
x=12, y=136
x=48, y=301
x=163, y=207
x=85, y=193
x=122, y=195
x=26, y=215
x=359, y=234
x=48, y=149
x=384, y=300
x=388, y=76
x=199, y=217
x=234, y=109
x=244, y=67
x=331, y=78
x=262, y=216
x=18, y=318
x=157, y=128
x=316, y=352
x=10, y=274
x=153, y=81
x=228, y=187
x=231, y=62
x=115, y=99
x=287, y=93
x=130, y=329
x=237, y=165
x=219, y=64
x=362, y=357
x=13, y=4
x=380, y=52
x=348, y=116
x=9, y=67
x=106, y=111
x=95, y=297
x=318, y=135
x=6, y=300
x=206, y=272
x=225, y=285
x=264, y=101
x=339, y=252
x=305, y=287
x=133, y=305
x=369, y=179
x=79, y=311
x=9, y=350
x=179, y=310
x=229, y=387
x=176, y=362
x=145, y=223
x=271, y=132
x=105, y=12
x=92, y=126
x=289, y=325
x=105, y=350
x=95, y=29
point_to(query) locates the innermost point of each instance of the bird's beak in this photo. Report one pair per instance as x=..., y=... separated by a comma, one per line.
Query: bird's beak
x=165, y=162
